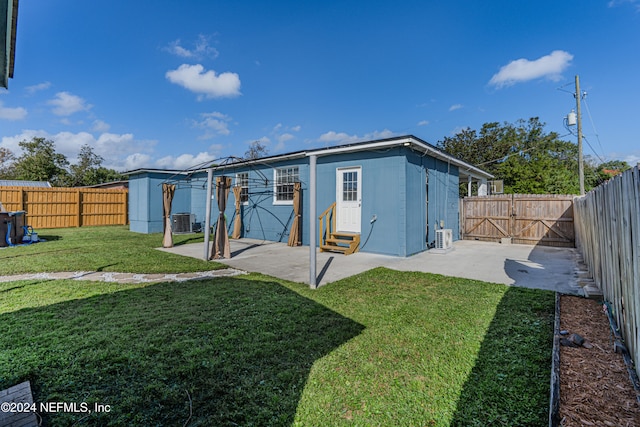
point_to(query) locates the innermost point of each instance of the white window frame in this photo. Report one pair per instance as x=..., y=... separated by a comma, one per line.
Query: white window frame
x=239, y=182
x=296, y=176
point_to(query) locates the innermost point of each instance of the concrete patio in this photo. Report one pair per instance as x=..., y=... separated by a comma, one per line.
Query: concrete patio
x=538, y=267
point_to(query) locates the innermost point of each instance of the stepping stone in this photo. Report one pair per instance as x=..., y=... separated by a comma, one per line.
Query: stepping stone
x=20, y=395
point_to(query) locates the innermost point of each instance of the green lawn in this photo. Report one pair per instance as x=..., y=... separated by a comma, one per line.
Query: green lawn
x=100, y=249
x=378, y=349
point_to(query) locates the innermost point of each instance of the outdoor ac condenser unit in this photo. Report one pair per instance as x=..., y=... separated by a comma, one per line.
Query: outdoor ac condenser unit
x=182, y=223
x=444, y=239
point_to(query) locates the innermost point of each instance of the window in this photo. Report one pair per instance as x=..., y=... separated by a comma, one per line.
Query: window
x=242, y=180
x=284, y=180
x=349, y=186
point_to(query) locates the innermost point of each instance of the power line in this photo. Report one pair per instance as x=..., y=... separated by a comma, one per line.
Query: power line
x=593, y=126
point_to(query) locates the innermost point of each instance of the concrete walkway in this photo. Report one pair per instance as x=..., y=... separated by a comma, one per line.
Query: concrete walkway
x=538, y=267
x=123, y=277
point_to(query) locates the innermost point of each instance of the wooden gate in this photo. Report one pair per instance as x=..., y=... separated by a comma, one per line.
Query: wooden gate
x=536, y=219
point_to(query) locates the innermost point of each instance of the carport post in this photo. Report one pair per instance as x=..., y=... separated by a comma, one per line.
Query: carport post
x=207, y=219
x=312, y=222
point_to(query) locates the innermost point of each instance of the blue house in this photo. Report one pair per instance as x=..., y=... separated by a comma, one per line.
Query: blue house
x=393, y=194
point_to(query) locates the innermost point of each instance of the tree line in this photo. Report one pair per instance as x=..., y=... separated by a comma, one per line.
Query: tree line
x=528, y=159
x=39, y=161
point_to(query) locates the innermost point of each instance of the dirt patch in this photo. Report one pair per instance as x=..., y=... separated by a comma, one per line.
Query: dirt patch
x=595, y=389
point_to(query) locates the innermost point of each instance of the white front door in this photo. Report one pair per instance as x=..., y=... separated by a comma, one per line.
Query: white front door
x=348, y=199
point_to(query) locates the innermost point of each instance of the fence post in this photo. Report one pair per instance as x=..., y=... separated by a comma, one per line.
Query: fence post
x=21, y=200
x=79, y=208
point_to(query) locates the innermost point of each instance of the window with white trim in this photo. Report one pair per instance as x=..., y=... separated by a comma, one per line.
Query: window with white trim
x=242, y=180
x=283, y=184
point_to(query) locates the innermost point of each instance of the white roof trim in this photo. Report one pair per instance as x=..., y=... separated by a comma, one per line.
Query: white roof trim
x=408, y=141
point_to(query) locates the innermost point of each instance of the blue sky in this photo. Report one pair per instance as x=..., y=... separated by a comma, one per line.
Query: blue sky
x=171, y=84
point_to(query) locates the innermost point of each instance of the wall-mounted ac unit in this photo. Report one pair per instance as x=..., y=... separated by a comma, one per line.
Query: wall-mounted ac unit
x=444, y=239
x=182, y=223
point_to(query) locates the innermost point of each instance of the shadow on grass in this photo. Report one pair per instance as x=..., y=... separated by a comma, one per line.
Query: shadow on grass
x=217, y=352
x=509, y=384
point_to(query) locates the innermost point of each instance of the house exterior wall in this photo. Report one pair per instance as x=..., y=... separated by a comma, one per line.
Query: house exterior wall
x=383, y=194
x=145, y=201
x=443, y=199
x=198, y=197
x=416, y=203
x=144, y=196
x=394, y=191
x=262, y=218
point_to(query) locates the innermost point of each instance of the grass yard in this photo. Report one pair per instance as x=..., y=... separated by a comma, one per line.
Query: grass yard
x=377, y=349
x=106, y=249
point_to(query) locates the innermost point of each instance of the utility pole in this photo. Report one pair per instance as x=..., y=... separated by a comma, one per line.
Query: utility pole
x=578, y=96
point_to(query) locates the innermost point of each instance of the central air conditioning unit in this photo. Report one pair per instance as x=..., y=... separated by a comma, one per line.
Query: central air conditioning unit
x=182, y=223
x=444, y=239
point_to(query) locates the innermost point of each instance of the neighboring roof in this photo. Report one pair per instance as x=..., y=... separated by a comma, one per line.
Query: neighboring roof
x=107, y=185
x=8, y=26
x=19, y=183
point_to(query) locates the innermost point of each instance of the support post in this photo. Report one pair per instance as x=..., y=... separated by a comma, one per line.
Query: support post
x=312, y=222
x=580, y=158
x=469, y=186
x=207, y=219
x=482, y=187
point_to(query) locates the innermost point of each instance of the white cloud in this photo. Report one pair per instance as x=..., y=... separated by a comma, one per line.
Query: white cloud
x=632, y=159
x=285, y=137
x=137, y=161
x=282, y=142
x=36, y=88
x=100, y=126
x=214, y=124
x=282, y=134
x=13, y=114
x=455, y=107
x=116, y=149
x=201, y=49
x=185, y=161
x=332, y=137
x=522, y=70
x=423, y=122
x=205, y=83
x=66, y=104
x=636, y=3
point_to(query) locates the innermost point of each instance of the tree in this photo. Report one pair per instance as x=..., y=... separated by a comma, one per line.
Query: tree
x=40, y=162
x=523, y=155
x=89, y=170
x=6, y=163
x=256, y=151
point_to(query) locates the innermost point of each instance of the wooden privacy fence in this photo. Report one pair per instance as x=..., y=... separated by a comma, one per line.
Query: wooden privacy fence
x=67, y=207
x=535, y=219
x=608, y=236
